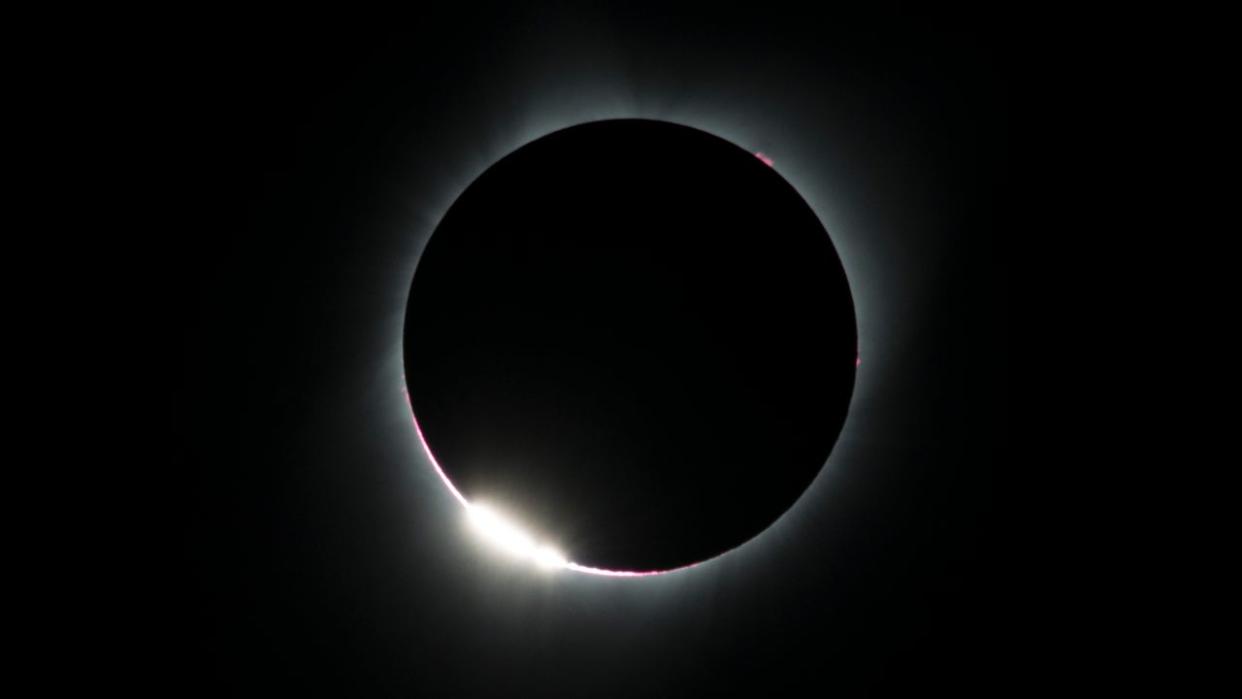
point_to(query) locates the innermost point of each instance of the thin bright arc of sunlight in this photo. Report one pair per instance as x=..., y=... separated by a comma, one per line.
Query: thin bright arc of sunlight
x=427, y=449
x=505, y=533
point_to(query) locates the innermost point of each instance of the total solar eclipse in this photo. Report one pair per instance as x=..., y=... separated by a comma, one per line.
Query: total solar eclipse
x=635, y=339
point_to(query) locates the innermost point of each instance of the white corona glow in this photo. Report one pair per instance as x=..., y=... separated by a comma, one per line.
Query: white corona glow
x=511, y=538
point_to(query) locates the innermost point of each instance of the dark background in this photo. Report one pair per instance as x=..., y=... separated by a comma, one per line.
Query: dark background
x=322, y=553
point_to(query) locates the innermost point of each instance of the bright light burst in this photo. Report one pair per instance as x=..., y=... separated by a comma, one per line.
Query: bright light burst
x=508, y=536
x=513, y=539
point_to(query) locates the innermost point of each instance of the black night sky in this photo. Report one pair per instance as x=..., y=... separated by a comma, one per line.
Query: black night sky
x=323, y=552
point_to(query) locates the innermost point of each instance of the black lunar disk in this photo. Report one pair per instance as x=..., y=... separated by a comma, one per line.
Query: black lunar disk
x=636, y=339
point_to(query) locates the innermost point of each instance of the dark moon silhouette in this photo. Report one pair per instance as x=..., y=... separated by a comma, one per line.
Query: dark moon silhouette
x=635, y=338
